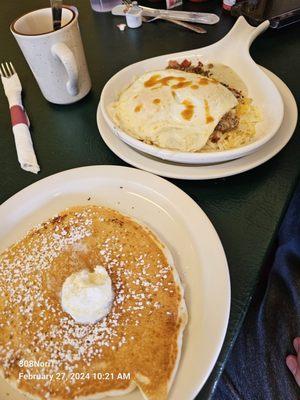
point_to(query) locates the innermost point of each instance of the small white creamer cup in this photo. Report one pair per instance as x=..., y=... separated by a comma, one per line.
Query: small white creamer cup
x=56, y=58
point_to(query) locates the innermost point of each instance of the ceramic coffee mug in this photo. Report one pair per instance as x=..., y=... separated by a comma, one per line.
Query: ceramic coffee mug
x=56, y=58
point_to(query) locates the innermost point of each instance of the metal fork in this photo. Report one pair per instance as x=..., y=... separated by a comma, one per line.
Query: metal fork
x=194, y=28
x=10, y=69
x=11, y=83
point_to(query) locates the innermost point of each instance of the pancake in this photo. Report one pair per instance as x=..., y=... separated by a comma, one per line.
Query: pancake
x=46, y=354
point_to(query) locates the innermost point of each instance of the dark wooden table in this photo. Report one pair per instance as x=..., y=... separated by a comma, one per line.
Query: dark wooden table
x=246, y=209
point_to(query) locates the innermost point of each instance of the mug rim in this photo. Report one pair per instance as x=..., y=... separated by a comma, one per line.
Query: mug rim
x=13, y=30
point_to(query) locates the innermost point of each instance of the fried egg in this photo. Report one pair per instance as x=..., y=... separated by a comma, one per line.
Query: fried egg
x=172, y=109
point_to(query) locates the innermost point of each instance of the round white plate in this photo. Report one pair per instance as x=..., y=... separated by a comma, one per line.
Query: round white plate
x=211, y=171
x=181, y=225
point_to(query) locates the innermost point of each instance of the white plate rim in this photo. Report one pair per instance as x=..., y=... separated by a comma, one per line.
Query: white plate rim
x=194, y=212
x=212, y=171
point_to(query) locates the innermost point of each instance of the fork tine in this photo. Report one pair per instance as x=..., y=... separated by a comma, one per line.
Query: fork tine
x=12, y=67
x=10, y=73
x=3, y=71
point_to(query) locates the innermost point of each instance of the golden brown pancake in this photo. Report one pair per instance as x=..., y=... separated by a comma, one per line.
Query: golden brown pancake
x=137, y=344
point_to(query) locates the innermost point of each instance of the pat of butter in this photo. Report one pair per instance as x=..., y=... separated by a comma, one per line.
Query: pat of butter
x=87, y=296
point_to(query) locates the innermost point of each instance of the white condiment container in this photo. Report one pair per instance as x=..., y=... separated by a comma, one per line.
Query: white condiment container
x=134, y=16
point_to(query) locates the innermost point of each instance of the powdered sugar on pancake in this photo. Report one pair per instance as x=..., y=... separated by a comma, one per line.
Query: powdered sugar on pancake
x=28, y=280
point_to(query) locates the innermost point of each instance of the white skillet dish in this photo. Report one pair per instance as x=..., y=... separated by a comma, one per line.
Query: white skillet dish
x=210, y=171
x=232, y=50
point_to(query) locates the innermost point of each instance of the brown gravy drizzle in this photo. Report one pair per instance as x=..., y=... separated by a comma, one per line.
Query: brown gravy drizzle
x=138, y=108
x=209, y=118
x=204, y=81
x=188, y=112
x=181, y=85
x=157, y=80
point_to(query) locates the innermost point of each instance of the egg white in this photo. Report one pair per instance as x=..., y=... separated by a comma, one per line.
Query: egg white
x=168, y=115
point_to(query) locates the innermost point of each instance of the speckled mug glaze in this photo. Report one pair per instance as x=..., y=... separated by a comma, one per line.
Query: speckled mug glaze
x=56, y=58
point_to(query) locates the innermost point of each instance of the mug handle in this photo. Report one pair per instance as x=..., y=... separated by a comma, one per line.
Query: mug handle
x=63, y=53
